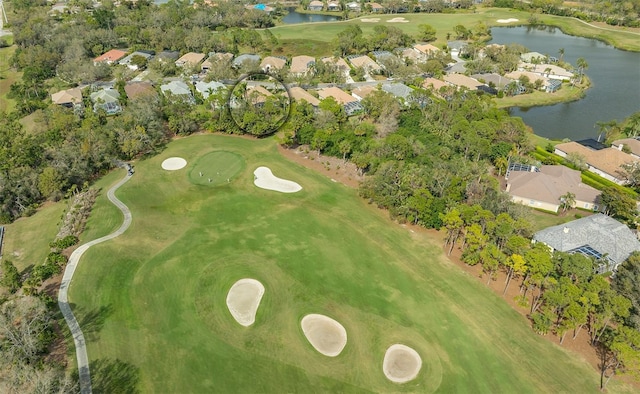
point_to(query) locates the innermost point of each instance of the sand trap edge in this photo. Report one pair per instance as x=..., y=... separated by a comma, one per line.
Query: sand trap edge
x=174, y=163
x=248, y=317
x=264, y=179
x=311, y=320
x=408, y=352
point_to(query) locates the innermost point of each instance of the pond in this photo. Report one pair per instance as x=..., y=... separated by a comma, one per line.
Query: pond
x=614, y=74
x=295, y=17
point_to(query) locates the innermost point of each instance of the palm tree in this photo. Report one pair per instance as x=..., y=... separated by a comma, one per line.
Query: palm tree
x=582, y=66
x=501, y=164
x=568, y=200
x=632, y=126
x=561, y=53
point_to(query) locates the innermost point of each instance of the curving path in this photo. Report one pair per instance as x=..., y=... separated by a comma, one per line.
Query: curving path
x=63, y=301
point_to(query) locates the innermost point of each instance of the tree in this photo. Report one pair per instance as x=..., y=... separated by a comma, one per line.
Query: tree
x=452, y=221
x=426, y=33
x=618, y=204
x=25, y=329
x=582, y=66
x=516, y=265
x=627, y=283
x=49, y=182
x=561, y=53
x=621, y=354
x=10, y=276
x=567, y=201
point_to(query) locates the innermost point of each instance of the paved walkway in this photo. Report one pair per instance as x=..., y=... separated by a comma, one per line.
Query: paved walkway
x=63, y=302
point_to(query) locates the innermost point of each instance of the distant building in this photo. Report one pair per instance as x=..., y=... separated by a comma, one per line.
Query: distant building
x=631, y=143
x=110, y=57
x=273, y=63
x=301, y=65
x=106, y=99
x=208, y=88
x=215, y=57
x=68, y=98
x=244, y=59
x=398, y=90
x=298, y=94
x=190, y=59
x=365, y=62
x=136, y=90
x=598, y=236
x=315, y=5
x=605, y=162
x=126, y=61
x=333, y=6
x=361, y=92
x=350, y=103
x=462, y=81
x=339, y=63
x=178, y=90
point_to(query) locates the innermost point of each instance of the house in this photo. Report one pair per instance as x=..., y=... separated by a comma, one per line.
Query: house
x=605, y=162
x=126, y=61
x=376, y=8
x=550, y=71
x=462, y=81
x=190, y=59
x=339, y=63
x=301, y=65
x=338, y=94
x=494, y=79
x=457, y=47
x=349, y=103
x=216, y=58
x=361, y=92
x=552, y=85
x=256, y=94
x=597, y=236
x=273, y=63
x=434, y=84
x=298, y=94
x=106, y=99
x=533, y=77
x=136, y=90
x=315, y=5
x=398, y=90
x=410, y=54
x=168, y=56
x=245, y=59
x=366, y=63
x=208, y=88
x=383, y=55
x=110, y=57
x=426, y=51
x=633, y=144
x=333, y=6
x=178, y=90
x=543, y=188
x=354, y=6
x=68, y=98
x=533, y=57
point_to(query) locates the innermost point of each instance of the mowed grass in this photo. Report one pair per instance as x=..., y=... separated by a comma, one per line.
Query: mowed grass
x=444, y=24
x=153, y=299
x=26, y=240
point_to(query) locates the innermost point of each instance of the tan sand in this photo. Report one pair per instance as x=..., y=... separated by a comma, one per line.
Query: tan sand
x=243, y=300
x=264, y=179
x=398, y=20
x=174, y=163
x=401, y=363
x=370, y=20
x=507, y=20
x=325, y=334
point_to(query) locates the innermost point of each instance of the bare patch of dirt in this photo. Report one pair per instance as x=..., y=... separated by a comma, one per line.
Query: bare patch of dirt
x=334, y=168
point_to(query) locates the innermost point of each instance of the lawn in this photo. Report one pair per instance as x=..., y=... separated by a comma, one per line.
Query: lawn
x=444, y=24
x=152, y=302
x=538, y=98
x=7, y=77
x=26, y=241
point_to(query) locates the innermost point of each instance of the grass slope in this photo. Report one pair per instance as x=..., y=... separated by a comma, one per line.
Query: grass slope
x=152, y=301
x=7, y=78
x=444, y=24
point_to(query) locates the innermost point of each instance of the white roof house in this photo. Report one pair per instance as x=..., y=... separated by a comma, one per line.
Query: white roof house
x=598, y=236
x=208, y=88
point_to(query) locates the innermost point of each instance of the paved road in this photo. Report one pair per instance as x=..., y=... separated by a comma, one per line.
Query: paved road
x=63, y=302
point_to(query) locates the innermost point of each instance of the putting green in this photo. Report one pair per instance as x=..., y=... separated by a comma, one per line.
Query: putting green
x=216, y=168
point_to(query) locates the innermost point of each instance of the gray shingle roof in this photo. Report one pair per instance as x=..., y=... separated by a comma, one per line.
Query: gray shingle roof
x=604, y=234
x=397, y=89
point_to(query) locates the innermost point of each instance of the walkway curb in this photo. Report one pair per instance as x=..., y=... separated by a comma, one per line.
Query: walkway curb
x=63, y=301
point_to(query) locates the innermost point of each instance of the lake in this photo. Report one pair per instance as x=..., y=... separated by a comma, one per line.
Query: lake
x=295, y=17
x=614, y=74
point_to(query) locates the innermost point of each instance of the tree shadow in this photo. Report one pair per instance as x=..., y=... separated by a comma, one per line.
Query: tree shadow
x=114, y=376
x=91, y=322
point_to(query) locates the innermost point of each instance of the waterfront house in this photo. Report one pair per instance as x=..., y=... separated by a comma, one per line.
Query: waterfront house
x=315, y=5
x=333, y=6
x=631, y=143
x=605, y=162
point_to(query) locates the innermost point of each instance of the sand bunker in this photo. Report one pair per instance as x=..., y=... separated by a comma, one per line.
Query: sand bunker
x=401, y=363
x=174, y=163
x=243, y=300
x=507, y=20
x=325, y=334
x=370, y=20
x=398, y=20
x=265, y=179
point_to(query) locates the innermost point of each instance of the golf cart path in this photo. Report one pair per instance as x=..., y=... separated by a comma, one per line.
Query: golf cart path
x=63, y=301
